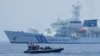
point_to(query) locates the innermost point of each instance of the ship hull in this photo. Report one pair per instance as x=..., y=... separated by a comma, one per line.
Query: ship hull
x=23, y=37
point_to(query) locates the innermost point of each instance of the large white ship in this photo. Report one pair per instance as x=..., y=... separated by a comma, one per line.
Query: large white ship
x=71, y=31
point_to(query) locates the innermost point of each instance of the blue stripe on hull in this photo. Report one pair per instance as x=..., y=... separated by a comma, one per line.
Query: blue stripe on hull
x=41, y=39
x=38, y=38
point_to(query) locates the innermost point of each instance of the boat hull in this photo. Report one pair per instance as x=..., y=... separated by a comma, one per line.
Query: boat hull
x=45, y=51
x=23, y=37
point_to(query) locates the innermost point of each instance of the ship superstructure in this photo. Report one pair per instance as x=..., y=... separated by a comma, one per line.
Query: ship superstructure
x=70, y=26
x=66, y=31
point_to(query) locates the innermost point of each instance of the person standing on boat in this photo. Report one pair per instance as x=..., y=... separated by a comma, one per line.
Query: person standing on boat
x=30, y=44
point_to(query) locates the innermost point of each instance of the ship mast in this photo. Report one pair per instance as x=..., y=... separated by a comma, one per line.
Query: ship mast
x=58, y=19
x=76, y=12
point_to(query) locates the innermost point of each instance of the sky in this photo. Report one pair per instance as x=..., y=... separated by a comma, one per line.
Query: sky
x=21, y=15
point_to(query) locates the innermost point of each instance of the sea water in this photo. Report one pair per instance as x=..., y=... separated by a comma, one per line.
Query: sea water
x=8, y=49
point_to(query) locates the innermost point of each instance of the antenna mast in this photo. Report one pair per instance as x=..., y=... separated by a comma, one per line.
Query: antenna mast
x=76, y=12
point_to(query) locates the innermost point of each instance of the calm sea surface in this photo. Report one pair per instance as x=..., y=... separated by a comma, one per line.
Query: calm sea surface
x=7, y=49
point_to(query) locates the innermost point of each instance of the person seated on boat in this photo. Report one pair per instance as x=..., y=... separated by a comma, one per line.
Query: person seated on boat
x=34, y=47
x=37, y=47
x=48, y=47
x=41, y=48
